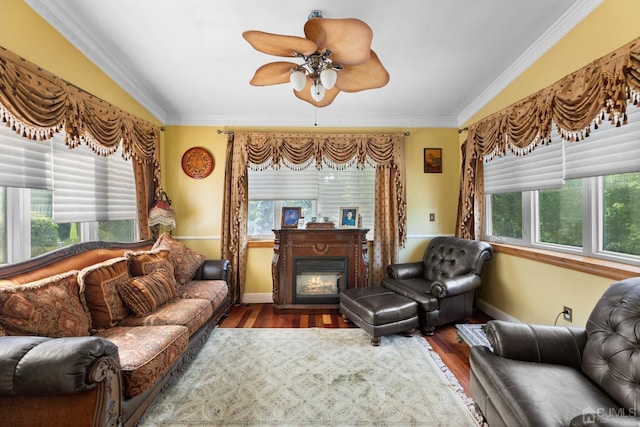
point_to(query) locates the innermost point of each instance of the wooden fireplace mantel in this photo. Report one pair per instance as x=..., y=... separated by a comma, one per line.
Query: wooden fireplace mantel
x=292, y=243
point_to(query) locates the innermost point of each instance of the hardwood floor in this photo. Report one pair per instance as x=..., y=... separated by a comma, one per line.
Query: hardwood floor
x=455, y=355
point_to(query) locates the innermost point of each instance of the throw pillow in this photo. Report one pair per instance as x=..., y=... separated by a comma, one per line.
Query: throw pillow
x=146, y=262
x=185, y=260
x=143, y=294
x=51, y=307
x=99, y=284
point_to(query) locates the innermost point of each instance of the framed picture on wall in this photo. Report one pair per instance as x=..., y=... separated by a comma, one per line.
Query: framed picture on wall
x=290, y=217
x=433, y=160
x=349, y=217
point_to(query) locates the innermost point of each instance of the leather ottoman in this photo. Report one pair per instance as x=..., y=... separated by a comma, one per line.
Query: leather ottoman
x=379, y=311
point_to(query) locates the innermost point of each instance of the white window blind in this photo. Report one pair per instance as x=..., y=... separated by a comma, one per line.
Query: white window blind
x=608, y=150
x=88, y=187
x=538, y=170
x=347, y=188
x=330, y=188
x=283, y=184
x=24, y=163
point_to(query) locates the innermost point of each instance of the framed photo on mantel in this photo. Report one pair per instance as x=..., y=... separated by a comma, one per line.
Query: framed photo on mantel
x=290, y=217
x=433, y=160
x=349, y=217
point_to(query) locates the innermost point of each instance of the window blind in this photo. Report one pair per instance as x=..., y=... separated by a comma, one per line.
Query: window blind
x=283, y=184
x=608, y=150
x=24, y=163
x=347, y=188
x=330, y=188
x=88, y=187
x=541, y=169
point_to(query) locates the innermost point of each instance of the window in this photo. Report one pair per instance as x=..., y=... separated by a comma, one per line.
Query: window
x=320, y=193
x=593, y=210
x=42, y=209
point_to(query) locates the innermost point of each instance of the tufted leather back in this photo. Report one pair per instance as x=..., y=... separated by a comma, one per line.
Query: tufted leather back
x=611, y=357
x=452, y=256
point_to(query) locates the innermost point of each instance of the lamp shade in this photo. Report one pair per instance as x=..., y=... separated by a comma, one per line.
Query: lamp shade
x=317, y=91
x=328, y=78
x=162, y=213
x=298, y=80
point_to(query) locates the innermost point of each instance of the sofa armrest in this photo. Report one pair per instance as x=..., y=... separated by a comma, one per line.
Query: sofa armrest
x=447, y=287
x=32, y=365
x=595, y=420
x=559, y=345
x=405, y=270
x=214, y=269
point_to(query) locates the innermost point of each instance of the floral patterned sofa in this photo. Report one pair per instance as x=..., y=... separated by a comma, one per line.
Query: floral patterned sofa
x=90, y=334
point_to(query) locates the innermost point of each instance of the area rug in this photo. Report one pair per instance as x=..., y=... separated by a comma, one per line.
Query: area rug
x=473, y=334
x=313, y=377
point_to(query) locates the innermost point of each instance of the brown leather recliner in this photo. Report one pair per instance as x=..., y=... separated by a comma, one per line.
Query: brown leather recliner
x=444, y=283
x=564, y=376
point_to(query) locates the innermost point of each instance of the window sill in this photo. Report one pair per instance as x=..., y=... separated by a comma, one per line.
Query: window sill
x=598, y=267
x=260, y=244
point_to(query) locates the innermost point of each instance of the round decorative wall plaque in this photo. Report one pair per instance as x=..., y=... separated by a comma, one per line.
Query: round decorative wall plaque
x=197, y=162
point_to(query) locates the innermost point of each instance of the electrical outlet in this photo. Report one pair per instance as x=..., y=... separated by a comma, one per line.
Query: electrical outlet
x=432, y=217
x=567, y=313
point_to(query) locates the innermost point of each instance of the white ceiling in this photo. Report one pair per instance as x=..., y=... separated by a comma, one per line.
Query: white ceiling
x=187, y=63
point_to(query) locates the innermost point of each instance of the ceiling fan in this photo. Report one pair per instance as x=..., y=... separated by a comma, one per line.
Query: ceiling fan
x=337, y=58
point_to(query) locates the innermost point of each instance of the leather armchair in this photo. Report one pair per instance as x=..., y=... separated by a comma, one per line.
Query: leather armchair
x=444, y=283
x=563, y=376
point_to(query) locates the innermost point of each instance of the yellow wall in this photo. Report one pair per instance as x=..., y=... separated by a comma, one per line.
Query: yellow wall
x=532, y=291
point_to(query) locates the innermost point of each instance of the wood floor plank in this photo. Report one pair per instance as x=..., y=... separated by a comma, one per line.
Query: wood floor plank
x=445, y=343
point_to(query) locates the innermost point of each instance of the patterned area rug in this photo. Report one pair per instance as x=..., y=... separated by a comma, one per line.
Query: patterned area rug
x=313, y=377
x=473, y=334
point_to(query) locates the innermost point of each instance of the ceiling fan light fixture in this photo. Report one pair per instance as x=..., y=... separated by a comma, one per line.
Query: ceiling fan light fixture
x=317, y=91
x=328, y=78
x=336, y=54
x=298, y=79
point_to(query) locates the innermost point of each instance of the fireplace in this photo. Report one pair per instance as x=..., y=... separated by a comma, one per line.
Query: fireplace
x=319, y=280
x=310, y=267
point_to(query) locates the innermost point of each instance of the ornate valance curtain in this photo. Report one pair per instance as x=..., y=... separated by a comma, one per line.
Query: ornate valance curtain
x=576, y=104
x=299, y=151
x=36, y=104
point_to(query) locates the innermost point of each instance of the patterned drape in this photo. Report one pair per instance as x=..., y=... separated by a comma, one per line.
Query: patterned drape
x=299, y=151
x=36, y=104
x=576, y=104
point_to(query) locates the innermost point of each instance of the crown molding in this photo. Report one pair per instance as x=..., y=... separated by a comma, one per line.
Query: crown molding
x=553, y=35
x=302, y=120
x=98, y=55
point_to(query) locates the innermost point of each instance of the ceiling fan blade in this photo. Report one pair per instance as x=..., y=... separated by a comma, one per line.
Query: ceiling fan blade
x=369, y=75
x=349, y=40
x=305, y=95
x=279, y=45
x=273, y=73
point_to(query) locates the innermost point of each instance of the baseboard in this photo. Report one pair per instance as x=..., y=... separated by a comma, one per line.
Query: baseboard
x=257, y=298
x=495, y=313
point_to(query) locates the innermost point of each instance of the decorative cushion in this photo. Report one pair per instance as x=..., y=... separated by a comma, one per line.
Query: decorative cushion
x=142, y=263
x=50, y=307
x=99, y=284
x=185, y=260
x=143, y=294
